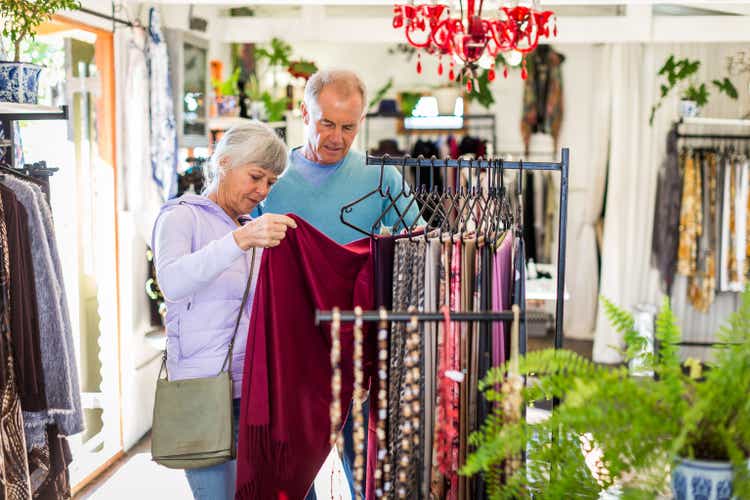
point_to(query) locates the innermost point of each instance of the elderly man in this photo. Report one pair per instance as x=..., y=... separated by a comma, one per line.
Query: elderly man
x=325, y=174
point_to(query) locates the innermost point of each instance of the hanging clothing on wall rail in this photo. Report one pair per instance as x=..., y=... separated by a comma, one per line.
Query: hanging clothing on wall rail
x=14, y=466
x=41, y=338
x=543, y=95
x=700, y=222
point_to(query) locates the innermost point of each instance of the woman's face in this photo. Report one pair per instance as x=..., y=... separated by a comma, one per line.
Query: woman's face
x=243, y=187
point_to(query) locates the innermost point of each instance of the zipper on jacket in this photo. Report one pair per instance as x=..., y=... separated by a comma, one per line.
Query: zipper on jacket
x=188, y=306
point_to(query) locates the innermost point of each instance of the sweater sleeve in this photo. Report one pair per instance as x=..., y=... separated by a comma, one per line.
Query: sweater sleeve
x=179, y=271
x=393, y=179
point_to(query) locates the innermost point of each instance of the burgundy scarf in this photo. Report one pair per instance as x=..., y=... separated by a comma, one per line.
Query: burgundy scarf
x=286, y=385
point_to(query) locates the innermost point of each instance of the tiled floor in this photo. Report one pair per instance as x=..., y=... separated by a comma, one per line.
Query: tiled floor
x=136, y=477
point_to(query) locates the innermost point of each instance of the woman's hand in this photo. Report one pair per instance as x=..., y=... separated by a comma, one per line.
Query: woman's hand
x=264, y=232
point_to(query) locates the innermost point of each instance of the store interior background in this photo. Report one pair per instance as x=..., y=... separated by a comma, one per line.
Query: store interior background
x=612, y=55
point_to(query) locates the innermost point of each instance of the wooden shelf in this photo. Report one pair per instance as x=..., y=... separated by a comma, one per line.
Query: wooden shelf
x=17, y=111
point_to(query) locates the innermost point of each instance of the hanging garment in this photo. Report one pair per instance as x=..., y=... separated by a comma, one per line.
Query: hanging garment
x=474, y=353
x=741, y=212
x=408, y=292
x=529, y=231
x=473, y=371
x=450, y=382
x=549, y=231
x=139, y=192
x=59, y=367
x=485, y=347
x=726, y=210
x=383, y=255
x=48, y=466
x=286, y=388
x=542, y=95
x=702, y=285
x=383, y=249
x=24, y=316
x=690, y=217
x=519, y=283
x=665, y=236
x=14, y=467
x=440, y=438
x=432, y=285
x=467, y=294
x=162, y=120
x=501, y=297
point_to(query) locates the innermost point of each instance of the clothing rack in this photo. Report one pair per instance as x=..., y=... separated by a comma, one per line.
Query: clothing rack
x=710, y=122
x=562, y=166
x=405, y=316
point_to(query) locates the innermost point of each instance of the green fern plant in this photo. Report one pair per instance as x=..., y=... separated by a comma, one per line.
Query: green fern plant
x=635, y=427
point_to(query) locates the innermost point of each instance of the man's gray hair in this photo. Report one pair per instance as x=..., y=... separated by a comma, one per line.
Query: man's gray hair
x=255, y=143
x=344, y=80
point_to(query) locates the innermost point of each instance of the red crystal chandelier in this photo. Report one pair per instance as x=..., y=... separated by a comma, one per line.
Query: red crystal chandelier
x=469, y=36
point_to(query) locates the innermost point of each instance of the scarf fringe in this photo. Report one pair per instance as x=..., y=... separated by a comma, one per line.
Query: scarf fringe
x=274, y=455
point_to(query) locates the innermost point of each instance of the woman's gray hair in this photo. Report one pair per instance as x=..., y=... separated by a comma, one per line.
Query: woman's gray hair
x=254, y=142
x=344, y=80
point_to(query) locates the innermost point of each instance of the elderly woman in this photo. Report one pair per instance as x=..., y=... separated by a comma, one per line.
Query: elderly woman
x=203, y=249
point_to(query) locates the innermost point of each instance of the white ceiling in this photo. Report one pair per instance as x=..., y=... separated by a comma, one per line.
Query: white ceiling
x=731, y=6
x=579, y=21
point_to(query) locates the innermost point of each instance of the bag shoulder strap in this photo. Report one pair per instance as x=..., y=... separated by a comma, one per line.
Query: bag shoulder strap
x=227, y=365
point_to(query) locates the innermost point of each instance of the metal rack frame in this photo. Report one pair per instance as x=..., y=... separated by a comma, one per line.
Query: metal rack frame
x=563, y=166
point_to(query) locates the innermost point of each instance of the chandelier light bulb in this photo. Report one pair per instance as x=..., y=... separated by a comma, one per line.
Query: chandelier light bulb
x=486, y=61
x=513, y=58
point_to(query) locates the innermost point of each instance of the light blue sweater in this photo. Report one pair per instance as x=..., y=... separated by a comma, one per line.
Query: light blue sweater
x=320, y=204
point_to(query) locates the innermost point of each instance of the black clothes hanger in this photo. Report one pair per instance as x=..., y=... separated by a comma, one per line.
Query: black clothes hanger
x=401, y=223
x=378, y=190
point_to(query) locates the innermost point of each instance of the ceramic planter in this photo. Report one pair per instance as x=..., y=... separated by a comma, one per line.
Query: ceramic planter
x=702, y=480
x=19, y=82
x=688, y=109
x=446, y=99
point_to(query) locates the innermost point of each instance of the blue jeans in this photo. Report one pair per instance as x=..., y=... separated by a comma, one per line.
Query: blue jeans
x=218, y=481
x=348, y=458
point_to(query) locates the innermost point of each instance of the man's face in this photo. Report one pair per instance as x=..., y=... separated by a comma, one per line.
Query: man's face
x=332, y=125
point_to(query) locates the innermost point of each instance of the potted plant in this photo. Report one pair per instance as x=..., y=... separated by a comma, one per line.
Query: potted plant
x=613, y=429
x=20, y=19
x=681, y=74
x=227, y=100
x=276, y=56
x=275, y=108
